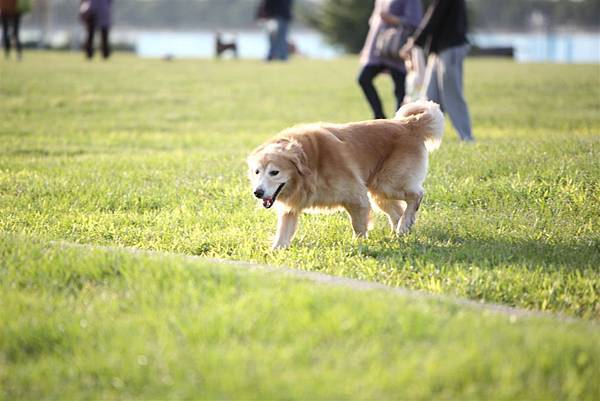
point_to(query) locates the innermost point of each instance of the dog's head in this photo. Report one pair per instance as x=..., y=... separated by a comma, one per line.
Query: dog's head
x=275, y=168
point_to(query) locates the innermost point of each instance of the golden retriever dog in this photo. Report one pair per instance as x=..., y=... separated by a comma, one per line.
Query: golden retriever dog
x=380, y=163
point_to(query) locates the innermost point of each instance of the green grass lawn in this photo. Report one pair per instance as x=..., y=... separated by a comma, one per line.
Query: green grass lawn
x=108, y=325
x=150, y=154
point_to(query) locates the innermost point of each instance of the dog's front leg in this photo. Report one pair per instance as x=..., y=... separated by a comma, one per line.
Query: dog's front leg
x=286, y=228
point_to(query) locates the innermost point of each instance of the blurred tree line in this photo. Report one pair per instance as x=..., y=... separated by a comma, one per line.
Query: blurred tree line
x=344, y=23
x=164, y=14
x=517, y=14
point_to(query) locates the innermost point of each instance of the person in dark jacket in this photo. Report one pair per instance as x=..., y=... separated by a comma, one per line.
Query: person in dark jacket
x=278, y=14
x=443, y=33
x=96, y=15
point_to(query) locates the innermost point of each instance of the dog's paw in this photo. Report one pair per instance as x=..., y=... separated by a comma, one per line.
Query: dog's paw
x=360, y=236
x=277, y=246
x=404, y=226
x=402, y=230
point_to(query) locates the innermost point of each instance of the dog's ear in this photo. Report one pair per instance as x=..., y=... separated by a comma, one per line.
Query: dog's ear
x=297, y=156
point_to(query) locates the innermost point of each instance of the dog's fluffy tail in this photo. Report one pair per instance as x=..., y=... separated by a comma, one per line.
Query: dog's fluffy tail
x=425, y=118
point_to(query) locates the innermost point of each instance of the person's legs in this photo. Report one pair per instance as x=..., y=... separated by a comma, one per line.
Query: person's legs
x=5, y=36
x=272, y=34
x=451, y=61
x=365, y=80
x=89, y=43
x=281, y=43
x=399, y=78
x=16, y=29
x=431, y=89
x=105, y=42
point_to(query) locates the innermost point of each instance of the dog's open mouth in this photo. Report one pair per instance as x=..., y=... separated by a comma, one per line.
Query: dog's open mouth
x=268, y=202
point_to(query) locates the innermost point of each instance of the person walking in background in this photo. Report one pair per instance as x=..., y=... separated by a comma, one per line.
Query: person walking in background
x=415, y=67
x=443, y=32
x=278, y=14
x=11, y=12
x=386, y=14
x=96, y=14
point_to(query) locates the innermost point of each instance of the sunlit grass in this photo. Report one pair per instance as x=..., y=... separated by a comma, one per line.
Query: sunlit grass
x=93, y=324
x=150, y=154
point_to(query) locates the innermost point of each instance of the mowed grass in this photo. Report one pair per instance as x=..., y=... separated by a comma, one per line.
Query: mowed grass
x=150, y=154
x=97, y=324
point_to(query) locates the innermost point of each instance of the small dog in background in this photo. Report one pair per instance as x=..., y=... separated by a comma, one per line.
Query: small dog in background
x=379, y=163
x=293, y=49
x=221, y=46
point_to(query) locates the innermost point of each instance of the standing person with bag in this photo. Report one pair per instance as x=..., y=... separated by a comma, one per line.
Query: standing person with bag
x=96, y=14
x=11, y=12
x=443, y=32
x=389, y=25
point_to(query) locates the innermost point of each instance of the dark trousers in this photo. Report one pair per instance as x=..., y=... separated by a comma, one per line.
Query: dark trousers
x=278, y=43
x=14, y=22
x=365, y=80
x=89, y=43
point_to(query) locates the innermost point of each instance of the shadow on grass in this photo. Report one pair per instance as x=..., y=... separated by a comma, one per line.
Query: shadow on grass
x=441, y=249
x=45, y=153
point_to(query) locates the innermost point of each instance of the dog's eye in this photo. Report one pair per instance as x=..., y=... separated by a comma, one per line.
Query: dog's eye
x=273, y=173
x=256, y=172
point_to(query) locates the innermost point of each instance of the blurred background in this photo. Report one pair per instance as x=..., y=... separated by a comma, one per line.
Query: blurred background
x=565, y=31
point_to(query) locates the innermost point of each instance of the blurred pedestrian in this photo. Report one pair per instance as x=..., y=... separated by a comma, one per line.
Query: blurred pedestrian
x=11, y=12
x=415, y=76
x=278, y=15
x=387, y=14
x=443, y=32
x=96, y=15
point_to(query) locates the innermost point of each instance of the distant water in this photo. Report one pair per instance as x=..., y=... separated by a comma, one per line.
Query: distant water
x=559, y=48
x=538, y=47
x=251, y=44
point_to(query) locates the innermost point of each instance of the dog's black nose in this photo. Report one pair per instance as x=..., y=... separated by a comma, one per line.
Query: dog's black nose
x=259, y=193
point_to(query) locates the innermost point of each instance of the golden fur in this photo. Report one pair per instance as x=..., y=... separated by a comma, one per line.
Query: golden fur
x=322, y=166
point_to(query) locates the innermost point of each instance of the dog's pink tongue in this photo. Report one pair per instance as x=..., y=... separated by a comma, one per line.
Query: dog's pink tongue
x=267, y=202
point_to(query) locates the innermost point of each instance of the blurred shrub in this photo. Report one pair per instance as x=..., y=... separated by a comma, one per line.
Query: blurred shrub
x=343, y=23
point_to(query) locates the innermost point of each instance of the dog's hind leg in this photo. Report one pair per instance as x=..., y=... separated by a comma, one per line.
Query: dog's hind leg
x=393, y=208
x=413, y=201
x=286, y=228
